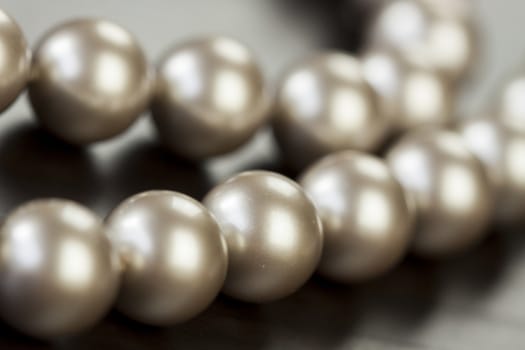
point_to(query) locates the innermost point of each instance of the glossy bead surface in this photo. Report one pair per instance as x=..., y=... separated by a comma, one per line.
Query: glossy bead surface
x=323, y=105
x=411, y=95
x=367, y=221
x=448, y=43
x=273, y=233
x=14, y=60
x=449, y=188
x=174, y=256
x=210, y=97
x=90, y=81
x=59, y=275
x=501, y=149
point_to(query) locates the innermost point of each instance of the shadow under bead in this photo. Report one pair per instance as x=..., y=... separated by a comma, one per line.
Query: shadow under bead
x=15, y=61
x=90, y=81
x=449, y=187
x=59, y=275
x=501, y=149
x=367, y=220
x=273, y=233
x=210, y=97
x=174, y=256
x=323, y=105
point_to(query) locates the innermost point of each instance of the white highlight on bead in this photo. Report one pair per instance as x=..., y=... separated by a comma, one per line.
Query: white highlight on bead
x=348, y=110
x=458, y=189
x=302, y=93
x=374, y=215
x=231, y=50
x=183, y=73
x=75, y=264
x=111, y=73
x=114, y=33
x=183, y=251
x=281, y=228
x=231, y=91
x=26, y=250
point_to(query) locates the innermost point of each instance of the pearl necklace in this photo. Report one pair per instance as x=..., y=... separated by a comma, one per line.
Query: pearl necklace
x=162, y=257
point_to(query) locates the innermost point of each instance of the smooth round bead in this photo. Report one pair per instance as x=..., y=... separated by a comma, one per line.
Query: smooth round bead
x=210, y=97
x=174, y=256
x=90, y=81
x=273, y=233
x=14, y=61
x=410, y=95
x=324, y=105
x=367, y=221
x=501, y=149
x=423, y=33
x=59, y=275
x=449, y=187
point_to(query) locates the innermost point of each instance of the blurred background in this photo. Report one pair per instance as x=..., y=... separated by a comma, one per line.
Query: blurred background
x=470, y=302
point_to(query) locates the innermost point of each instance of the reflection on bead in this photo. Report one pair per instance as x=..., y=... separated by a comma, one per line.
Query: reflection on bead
x=501, y=149
x=446, y=42
x=58, y=273
x=510, y=102
x=14, y=60
x=367, y=221
x=325, y=105
x=174, y=256
x=90, y=81
x=449, y=187
x=210, y=97
x=273, y=233
x=411, y=95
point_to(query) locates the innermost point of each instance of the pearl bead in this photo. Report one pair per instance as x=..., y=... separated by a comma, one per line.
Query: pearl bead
x=174, y=255
x=210, y=97
x=325, y=105
x=90, y=81
x=447, y=43
x=449, y=187
x=502, y=151
x=410, y=95
x=14, y=61
x=367, y=221
x=273, y=233
x=58, y=273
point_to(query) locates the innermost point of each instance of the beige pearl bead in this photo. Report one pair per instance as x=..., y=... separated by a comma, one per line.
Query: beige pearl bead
x=449, y=187
x=273, y=233
x=501, y=149
x=90, y=81
x=14, y=61
x=59, y=275
x=446, y=42
x=174, y=256
x=324, y=105
x=367, y=221
x=410, y=95
x=210, y=97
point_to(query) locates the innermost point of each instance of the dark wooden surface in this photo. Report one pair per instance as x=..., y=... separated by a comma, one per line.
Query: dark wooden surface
x=475, y=301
